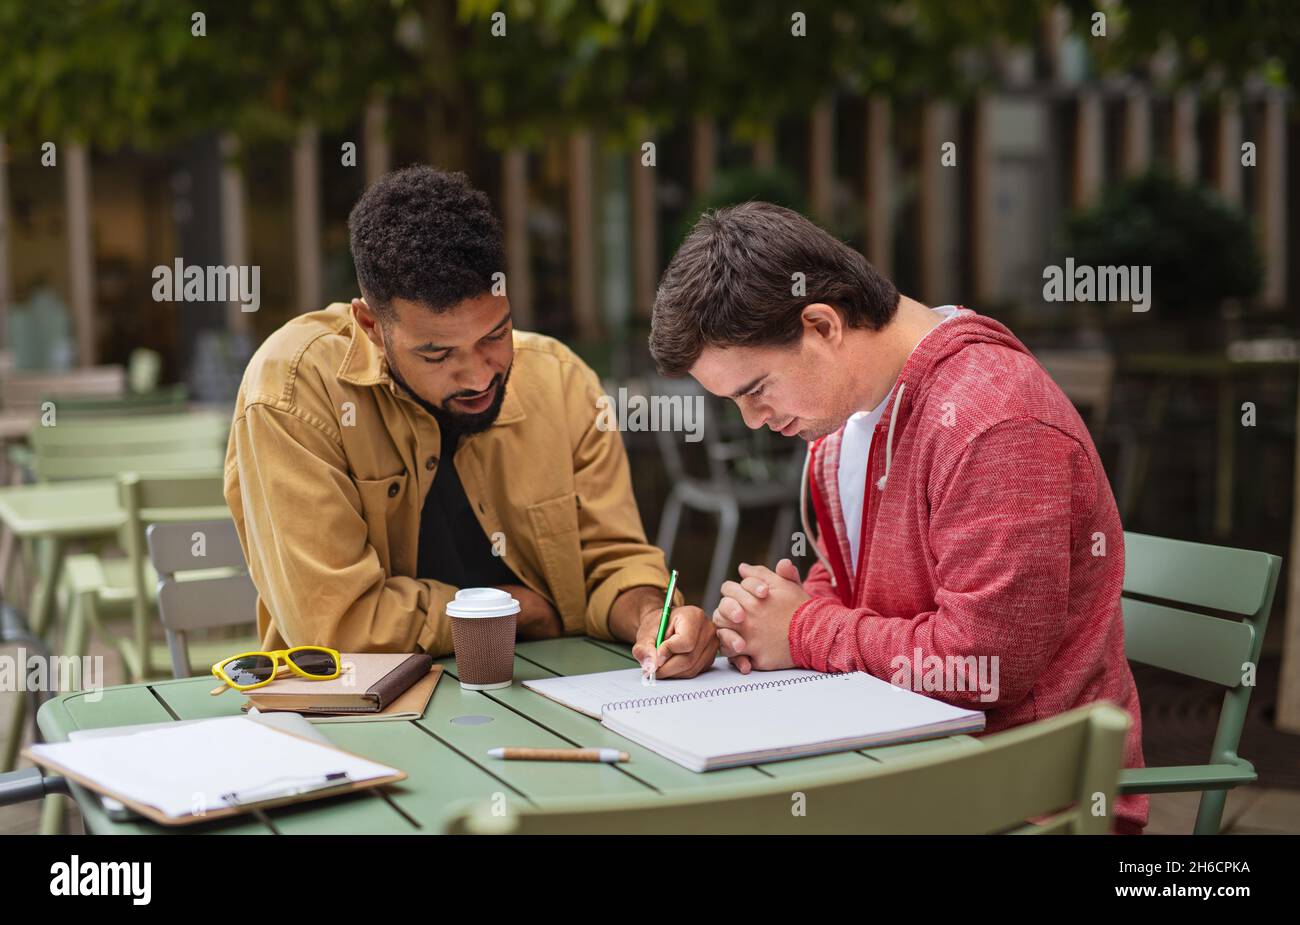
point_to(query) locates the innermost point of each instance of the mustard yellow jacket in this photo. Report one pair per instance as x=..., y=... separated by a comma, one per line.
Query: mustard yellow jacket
x=329, y=462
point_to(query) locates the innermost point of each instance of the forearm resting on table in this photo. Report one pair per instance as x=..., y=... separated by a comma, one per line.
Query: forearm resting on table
x=538, y=618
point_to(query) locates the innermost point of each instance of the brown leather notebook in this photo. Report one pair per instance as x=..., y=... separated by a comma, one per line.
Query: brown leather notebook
x=410, y=705
x=370, y=682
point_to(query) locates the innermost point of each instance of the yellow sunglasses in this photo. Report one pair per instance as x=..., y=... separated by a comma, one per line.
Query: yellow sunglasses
x=251, y=670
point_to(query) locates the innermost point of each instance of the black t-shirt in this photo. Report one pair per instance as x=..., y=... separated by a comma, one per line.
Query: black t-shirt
x=453, y=547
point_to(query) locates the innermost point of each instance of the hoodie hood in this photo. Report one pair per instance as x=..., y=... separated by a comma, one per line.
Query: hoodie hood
x=964, y=329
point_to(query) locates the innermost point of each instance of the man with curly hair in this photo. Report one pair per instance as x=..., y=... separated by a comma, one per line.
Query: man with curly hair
x=388, y=452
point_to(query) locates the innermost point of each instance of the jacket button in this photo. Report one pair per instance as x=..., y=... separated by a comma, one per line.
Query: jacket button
x=393, y=489
x=431, y=462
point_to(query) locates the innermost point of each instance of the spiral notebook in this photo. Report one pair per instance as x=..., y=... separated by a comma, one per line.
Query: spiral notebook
x=722, y=719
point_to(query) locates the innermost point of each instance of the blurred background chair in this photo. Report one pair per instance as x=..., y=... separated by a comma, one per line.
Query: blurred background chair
x=168, y=400
x=740, y=470
x=24, y=391
x=102, y=588
x=1086, y=377
x=202, y=591
x=103, y=447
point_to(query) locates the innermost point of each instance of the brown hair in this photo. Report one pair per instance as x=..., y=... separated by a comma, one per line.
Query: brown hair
x=731, y=284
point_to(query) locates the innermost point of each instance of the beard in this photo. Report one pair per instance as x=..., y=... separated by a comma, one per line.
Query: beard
x=454, y=420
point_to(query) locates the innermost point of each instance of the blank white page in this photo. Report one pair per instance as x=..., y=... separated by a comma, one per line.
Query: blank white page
x=185, y=769
x=831, y=713
x=587, y=693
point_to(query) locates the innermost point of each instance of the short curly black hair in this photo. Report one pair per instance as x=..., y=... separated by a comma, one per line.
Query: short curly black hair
x=424, y=235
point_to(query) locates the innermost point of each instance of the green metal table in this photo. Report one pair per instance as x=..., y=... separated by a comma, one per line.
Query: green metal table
x=444, y=753
x=51, y=516
x=58, y=513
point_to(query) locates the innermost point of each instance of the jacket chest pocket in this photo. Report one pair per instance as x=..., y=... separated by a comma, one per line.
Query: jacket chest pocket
x=381, y=503
x=555, y=525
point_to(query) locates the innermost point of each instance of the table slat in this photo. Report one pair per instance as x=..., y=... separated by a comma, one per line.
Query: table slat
x=533, y=780
x=436, y=775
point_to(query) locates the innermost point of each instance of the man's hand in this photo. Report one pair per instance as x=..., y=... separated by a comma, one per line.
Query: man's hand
x=690, y=641
x=538, y=618
x=753, y=617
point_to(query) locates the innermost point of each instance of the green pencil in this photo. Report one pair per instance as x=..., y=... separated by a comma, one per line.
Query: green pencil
x=668, y=603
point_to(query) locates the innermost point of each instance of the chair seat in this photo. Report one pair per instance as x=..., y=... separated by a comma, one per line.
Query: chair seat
x=204, y=653
x=116, y=592
x=1180, y=778
x=708, y=496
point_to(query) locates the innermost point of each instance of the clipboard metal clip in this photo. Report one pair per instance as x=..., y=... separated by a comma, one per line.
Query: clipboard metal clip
x=268, y=792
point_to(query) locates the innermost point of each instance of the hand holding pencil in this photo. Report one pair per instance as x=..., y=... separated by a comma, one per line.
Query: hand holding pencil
x=688, y=644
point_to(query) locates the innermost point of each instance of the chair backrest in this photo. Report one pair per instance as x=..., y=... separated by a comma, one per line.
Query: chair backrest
x=1055, y=771
x=26, y=390
x=733, y=452
x=164, y=498
x=222, y=595
x=167, y=400
x=1162, y=577
x=143, y=370
x=1085, y=376
x=103, y=447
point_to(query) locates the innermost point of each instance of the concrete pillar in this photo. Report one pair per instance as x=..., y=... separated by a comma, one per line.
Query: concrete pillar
x=81, y=252
x=306, y=218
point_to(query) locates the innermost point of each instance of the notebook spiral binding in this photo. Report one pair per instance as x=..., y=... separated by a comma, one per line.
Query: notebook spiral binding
x=716, y=692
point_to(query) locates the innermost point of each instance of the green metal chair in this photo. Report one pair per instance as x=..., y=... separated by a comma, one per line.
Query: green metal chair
x=104, y=447
x=1239, y=582
x=1054, y=772
x=101, y=588
x=77, y=447
x=26, y=390
x=205, y=587
x=167, y=400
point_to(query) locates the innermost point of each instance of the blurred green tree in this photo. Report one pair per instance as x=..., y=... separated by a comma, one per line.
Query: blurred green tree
x=135, y=72
x=1227, y=40
x=1200, y=250
x=132, y=72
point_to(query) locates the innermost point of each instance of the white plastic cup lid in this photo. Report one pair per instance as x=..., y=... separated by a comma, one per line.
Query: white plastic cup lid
x=482, y=602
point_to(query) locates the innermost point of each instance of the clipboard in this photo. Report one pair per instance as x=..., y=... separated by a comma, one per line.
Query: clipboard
x=154, y=814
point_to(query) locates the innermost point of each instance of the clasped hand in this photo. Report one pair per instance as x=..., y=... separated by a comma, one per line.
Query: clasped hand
x=753, y=617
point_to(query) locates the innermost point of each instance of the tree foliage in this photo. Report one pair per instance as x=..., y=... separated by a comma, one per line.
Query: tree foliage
x=132, y=72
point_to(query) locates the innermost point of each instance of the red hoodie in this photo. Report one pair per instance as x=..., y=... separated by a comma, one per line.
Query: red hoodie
x=988, y=529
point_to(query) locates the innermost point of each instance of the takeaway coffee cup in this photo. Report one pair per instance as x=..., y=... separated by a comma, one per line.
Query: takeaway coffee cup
x=483, y=636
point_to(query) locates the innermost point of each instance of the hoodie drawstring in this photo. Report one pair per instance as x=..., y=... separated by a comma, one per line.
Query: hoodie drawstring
x=889, y=438
x=880, y=482
x=803, y=514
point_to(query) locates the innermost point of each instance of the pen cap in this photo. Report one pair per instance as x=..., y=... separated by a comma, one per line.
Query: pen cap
x=483, y=636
